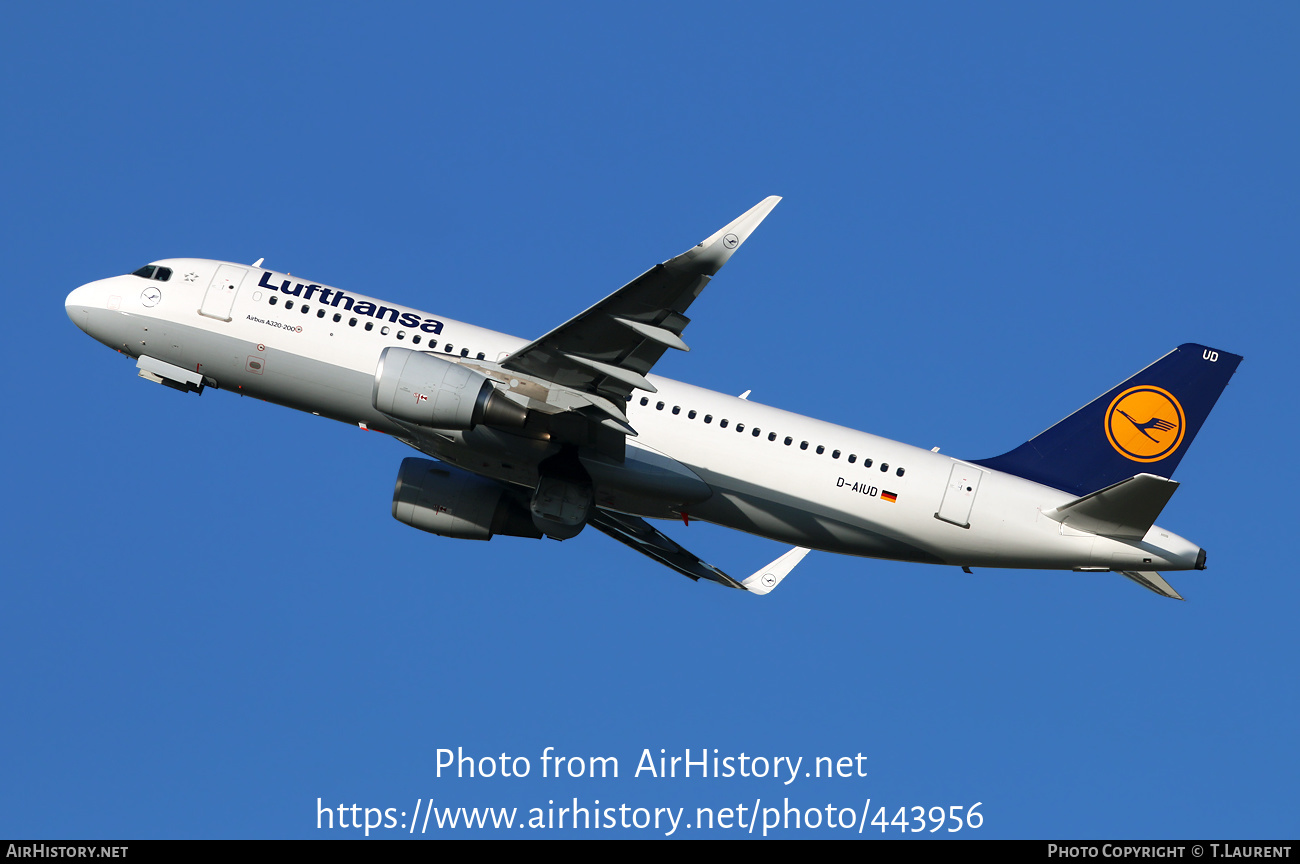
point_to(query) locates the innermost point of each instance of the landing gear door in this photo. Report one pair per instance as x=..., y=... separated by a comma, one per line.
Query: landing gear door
x=963, y=484
x=220, y=298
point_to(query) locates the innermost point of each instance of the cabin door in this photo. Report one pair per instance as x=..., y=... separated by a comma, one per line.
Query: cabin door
x=963, y=484
x=220, y=298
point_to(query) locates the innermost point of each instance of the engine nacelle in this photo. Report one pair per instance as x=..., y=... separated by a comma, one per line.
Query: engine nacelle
x=430, y=391
x=442, y=500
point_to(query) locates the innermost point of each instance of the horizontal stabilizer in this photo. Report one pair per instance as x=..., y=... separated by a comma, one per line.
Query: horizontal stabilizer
x=770, y=576
x=1125, y=511
x=1152, y=582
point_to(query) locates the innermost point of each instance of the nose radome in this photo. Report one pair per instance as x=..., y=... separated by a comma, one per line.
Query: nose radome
x=90, y=302
x=77, y=305
x=89, y=295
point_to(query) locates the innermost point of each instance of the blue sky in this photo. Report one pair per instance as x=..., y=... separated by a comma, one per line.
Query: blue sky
x=992, y=213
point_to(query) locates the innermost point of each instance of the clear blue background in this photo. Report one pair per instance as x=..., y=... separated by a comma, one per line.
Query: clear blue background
x=993, y=212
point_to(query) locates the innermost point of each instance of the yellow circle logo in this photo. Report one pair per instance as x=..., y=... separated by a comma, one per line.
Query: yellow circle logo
x=1145, y=423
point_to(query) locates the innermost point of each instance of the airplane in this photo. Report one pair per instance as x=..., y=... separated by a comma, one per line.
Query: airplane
x=543, y=438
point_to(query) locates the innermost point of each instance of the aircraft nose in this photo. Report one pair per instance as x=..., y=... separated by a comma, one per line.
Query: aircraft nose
x=78, y=306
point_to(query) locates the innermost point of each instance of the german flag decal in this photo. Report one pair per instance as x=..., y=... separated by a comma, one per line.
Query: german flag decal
x=891, y=497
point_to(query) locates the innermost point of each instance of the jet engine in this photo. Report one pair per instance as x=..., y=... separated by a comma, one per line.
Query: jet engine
x=430, y=391
x=443, y=500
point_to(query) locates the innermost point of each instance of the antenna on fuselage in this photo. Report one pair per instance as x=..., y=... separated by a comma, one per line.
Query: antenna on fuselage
x=258, y=262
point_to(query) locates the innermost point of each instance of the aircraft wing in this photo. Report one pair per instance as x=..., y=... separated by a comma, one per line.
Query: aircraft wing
x=608, y=350
x=639, y=534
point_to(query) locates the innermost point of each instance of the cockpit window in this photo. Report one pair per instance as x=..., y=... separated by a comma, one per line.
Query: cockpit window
x=153, y=271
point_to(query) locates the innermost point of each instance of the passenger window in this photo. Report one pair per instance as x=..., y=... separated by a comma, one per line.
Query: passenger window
x=853, y=457
x=771, y=436
x=835, y=455
x=479, y=355
x=899, y=472
x=415, y=340
x=866, y=463
x=337, y=317
x=659, y=406
x=447, y=348
x=305, y=309
x=884, y=466
x=320, y=313
x=645, y=401
x=352, y=322
x=708, y=418
x=756, y=432
x=288, y=304
x=788, y=440
x=464, y=352
x=820, y=449
x=690, y=415
x=273, y=300
x=740, y=427
x=722, y=424
x=383, y=331
x=370, y=325
x=803, y=445
x=677, y=409
x=401, y=334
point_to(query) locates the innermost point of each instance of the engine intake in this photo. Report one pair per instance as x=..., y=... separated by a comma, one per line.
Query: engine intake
x=429, y=391
x=449, y=502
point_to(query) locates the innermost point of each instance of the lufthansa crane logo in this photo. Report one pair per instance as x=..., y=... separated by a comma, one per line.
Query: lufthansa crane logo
x=1145, y=423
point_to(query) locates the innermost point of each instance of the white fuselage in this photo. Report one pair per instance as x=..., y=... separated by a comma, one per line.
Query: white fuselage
x=829, y=488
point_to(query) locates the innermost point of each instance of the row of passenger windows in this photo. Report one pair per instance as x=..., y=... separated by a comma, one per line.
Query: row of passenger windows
x=153, y=271
x=771, y=436
x=384, y=330
x=464, y=352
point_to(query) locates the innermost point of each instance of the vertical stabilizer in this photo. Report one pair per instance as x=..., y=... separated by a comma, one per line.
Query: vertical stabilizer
x=1143, y=425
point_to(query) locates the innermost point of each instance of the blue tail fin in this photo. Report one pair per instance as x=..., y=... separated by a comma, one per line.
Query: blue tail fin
x=1144, y=425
